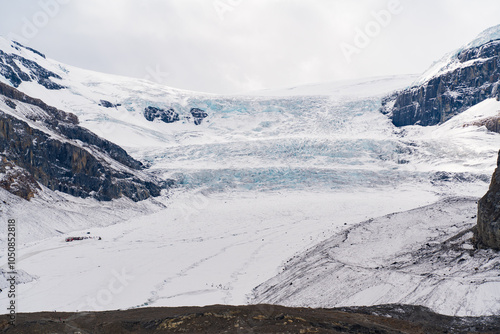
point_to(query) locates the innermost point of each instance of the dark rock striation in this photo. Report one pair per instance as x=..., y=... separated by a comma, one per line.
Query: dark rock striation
x=473, y=77
x=63, y=156
x=31, y=71
x=55, y=115
x=487, y=231
x=167, y=116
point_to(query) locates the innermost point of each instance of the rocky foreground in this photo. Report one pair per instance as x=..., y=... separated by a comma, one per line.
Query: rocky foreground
x=253, y=319
x=468, y=77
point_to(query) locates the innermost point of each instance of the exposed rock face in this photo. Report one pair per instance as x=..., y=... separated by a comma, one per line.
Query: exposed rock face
x=487, y=232
x=167, y=116
x=170, y=115
x=116, y=152
x=17, y=180
x=473, y=78
x=63, y=156
x=31, y=71
x=198, y=115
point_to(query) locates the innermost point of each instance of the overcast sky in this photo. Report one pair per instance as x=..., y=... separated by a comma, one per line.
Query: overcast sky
x=227, y=46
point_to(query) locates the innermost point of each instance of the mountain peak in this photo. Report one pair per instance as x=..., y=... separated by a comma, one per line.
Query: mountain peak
x=488, y=35
x=449, y=61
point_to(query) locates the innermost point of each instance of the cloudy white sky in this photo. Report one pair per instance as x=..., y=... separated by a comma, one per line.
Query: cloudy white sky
x=227, y=46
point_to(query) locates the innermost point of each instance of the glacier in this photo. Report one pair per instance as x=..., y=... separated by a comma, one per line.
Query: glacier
x=265, y=177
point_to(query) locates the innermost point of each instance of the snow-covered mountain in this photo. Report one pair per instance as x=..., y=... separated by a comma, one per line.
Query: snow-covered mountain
x=331, y=141
x=260, y=178
x=457, y=82
x=42, y=145
x=451, y=61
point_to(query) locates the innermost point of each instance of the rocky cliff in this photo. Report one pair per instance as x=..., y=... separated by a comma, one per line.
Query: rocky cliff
x=41, y=145
x=10, y=68
x=487, y=231
x=468, y=78
x=167, y=116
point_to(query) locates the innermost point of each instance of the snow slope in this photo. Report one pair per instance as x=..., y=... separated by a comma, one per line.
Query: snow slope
x=422, y=256
x=366, y=87
x=213, y=252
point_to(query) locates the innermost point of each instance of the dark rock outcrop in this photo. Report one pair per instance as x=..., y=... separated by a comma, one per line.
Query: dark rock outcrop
x=450, y=93
x=76, y=161
x=11, y=104
x=17, y=180
x=10, y=70
x=487, y=231
x=30, y=49
x=107, y=104
x=167, y=116
x=198, y=115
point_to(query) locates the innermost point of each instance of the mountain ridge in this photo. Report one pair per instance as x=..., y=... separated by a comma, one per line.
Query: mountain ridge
x=457, y=82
